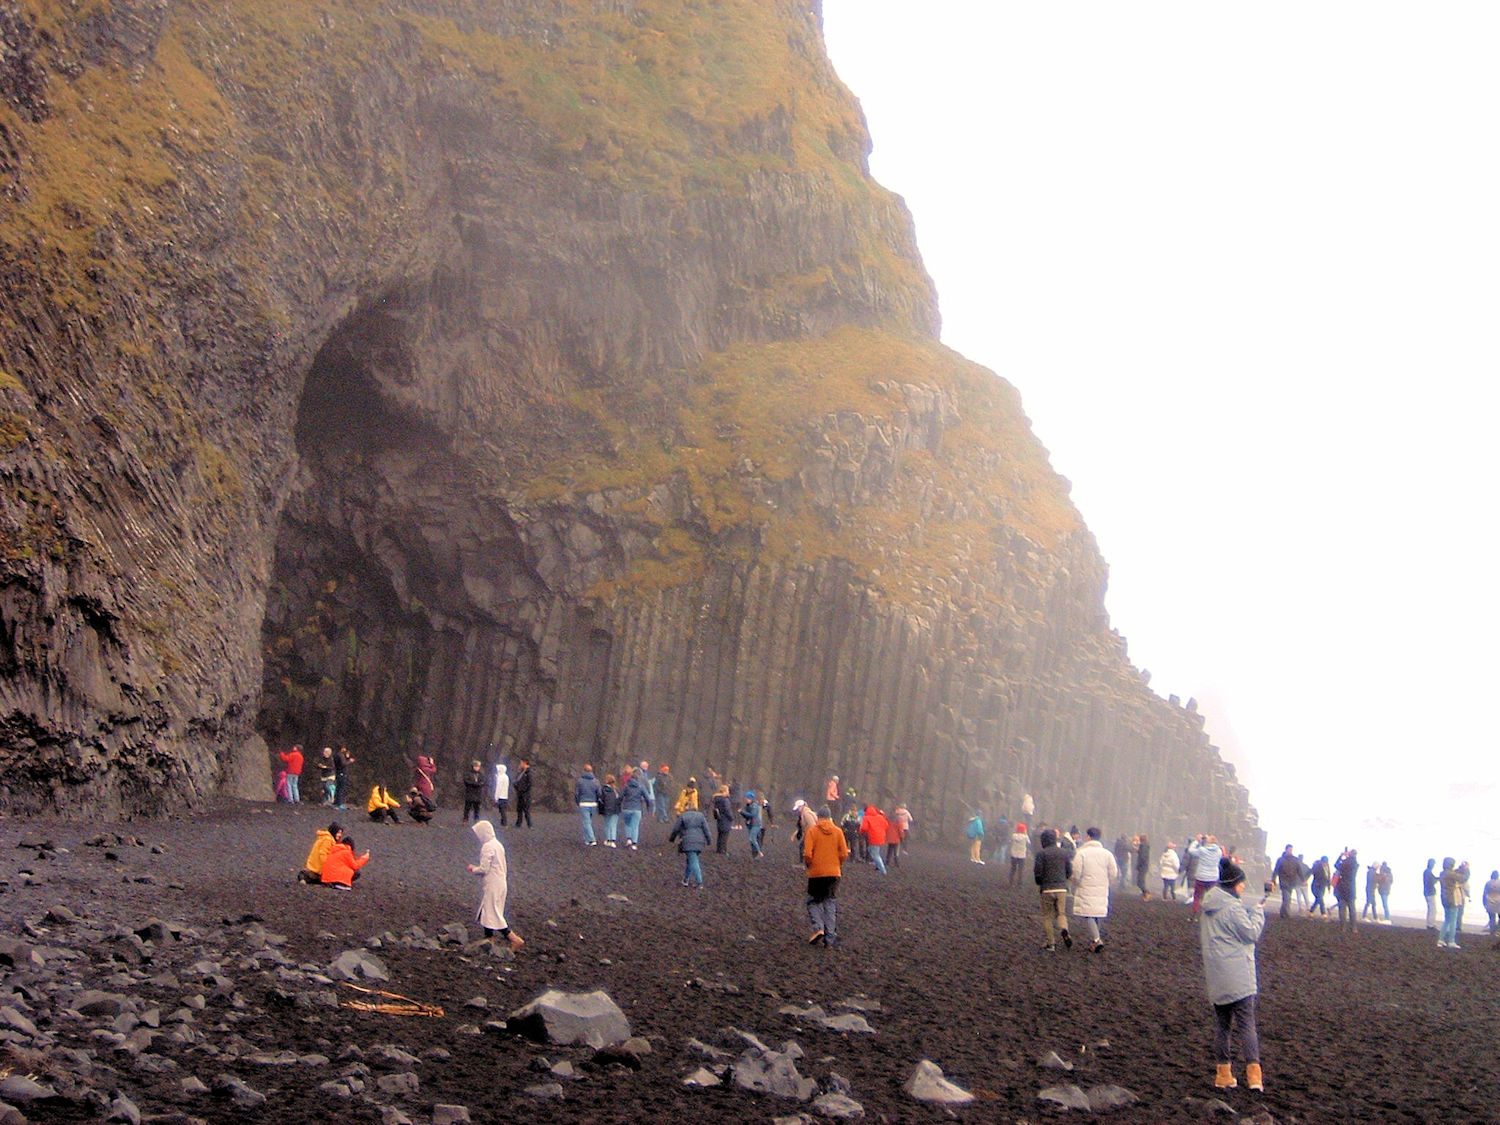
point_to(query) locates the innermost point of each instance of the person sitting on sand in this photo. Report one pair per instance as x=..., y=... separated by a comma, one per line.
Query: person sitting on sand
x=342, y=866
x=312, y=867
x=419, y=806
x=491, y=866
x=381, y=805
x=1229, y=929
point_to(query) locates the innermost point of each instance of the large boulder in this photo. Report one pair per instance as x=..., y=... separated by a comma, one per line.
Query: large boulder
x=927, y=1084
x=572, y=1017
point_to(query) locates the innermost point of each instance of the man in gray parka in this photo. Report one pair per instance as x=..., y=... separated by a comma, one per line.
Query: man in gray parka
x=1229, y=928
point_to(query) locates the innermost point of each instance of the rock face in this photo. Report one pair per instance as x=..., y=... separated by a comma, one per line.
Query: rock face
x=543, y=378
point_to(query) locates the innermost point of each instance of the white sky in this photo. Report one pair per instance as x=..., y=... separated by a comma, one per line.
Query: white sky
x=1243, y=264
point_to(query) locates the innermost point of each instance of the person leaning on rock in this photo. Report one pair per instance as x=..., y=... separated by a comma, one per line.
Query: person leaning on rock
x=1229, y=927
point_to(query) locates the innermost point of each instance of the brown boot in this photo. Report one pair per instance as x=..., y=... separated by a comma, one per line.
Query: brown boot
x=1253, y=1077
x=1224, y=1079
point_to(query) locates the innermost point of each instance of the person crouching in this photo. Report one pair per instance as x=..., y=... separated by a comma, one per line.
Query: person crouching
x=382, y=806
x=342, y=866
x=312, y=867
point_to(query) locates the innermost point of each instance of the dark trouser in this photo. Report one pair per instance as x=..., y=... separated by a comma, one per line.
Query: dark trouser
x=1346, y=910
x=1236, y=1023
x=1169, y=889
x=1017, y=866
x=1318, y=906
x=823, y=906
x=470, y=807
x=892, y=855
x=1286, y=900
x=523, y=811
x=721, y=845
x=500, y=806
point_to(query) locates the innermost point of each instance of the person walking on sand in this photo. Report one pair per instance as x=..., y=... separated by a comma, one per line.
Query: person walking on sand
x=1451, y=889
x=723, y=819
x=661, y=793
x=688, y=798
x=823, y=855
x=1229, y=928
x=1384, y=878
x=1286, y=871
x=691, y=834
x=635, y=801
x=1020, y=845
x=522, y=789
x=875, y=828
x=586, y=790
x=609, y=809
x=1169, y=868
x=500, y=792
x=492, y=869
x=1490, y=896
x=1053, y=871
x=1094, y=870
x=1142, y=865
x=751, y=814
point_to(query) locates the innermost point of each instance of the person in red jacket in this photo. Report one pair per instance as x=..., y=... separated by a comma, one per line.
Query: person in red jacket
x=341, y=866
x=876, y=829
x=293, y=760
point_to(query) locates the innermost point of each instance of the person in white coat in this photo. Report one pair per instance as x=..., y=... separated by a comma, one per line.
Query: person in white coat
x=502, y=792
x=491, y=867
x=1094, y=869
x=1169, y=868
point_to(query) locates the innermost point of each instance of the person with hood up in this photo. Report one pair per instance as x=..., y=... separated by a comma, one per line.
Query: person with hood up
x=1169, y=867
x=688, y=798
x=500, y=794
x=751, y=815
x=381, y=805
x=823, y=854
x=975, y=833
x=1228, y=928
x=341, y=866
x=424, y=769
x=1094, y=869
x=492, y=868
x=691, y=834
x=312, y=867
x=586, y=791
x=875, y=828
x=723, y=819
x=1053, y=871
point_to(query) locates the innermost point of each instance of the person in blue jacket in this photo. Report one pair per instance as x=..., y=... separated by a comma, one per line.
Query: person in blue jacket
x=750, y=814
x=691, y=834
x=586, y=792
x=635, y=800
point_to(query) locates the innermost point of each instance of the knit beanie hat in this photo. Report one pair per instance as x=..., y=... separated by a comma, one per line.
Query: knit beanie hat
x=1230, y=874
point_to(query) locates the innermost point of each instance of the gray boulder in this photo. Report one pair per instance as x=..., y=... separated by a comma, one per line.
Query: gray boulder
x=572, y=1017
x=450, y=1115
x=927, y=1084
x=1102, y=1098
x=1069, y=1097
x=771, y=1072
x=702, y=1078
x=840, y=1107
x=357, y=964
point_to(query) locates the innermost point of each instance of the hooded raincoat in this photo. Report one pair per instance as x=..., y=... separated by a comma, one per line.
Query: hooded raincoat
x=1229, y=928
x=492, y=870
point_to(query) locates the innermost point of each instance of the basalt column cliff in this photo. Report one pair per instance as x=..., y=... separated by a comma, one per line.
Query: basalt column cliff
x=530, y=377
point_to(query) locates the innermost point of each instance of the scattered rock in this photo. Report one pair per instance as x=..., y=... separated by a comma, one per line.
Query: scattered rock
x=576, y=1017
x=1069, y=1097
x=17, y=1089
x=402, y=1084
x=123, y=1109
x=837, y=1106
x=357, y=964
x=702, y=1078
x=848, y=1022
x=1053, y=1061
x=629, y=1053
x=927, y=1084
x=241, y=1095
x=1103, y=1098
x=450, y=1115
x=546, y=1091
x=391, y=1057
x=763, y=1071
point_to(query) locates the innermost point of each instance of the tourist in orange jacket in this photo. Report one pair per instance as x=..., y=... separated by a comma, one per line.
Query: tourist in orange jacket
x=876, y=830
x=317, y=855
x=823, y=853
x=341, y=867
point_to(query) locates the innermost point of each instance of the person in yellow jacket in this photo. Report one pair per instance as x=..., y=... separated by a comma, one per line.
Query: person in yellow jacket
x=824, y=850
x=382, y=806
x=688, y=798
x=312, y=867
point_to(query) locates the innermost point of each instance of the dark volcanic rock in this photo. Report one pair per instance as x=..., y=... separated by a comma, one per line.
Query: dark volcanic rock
x=419, y=380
